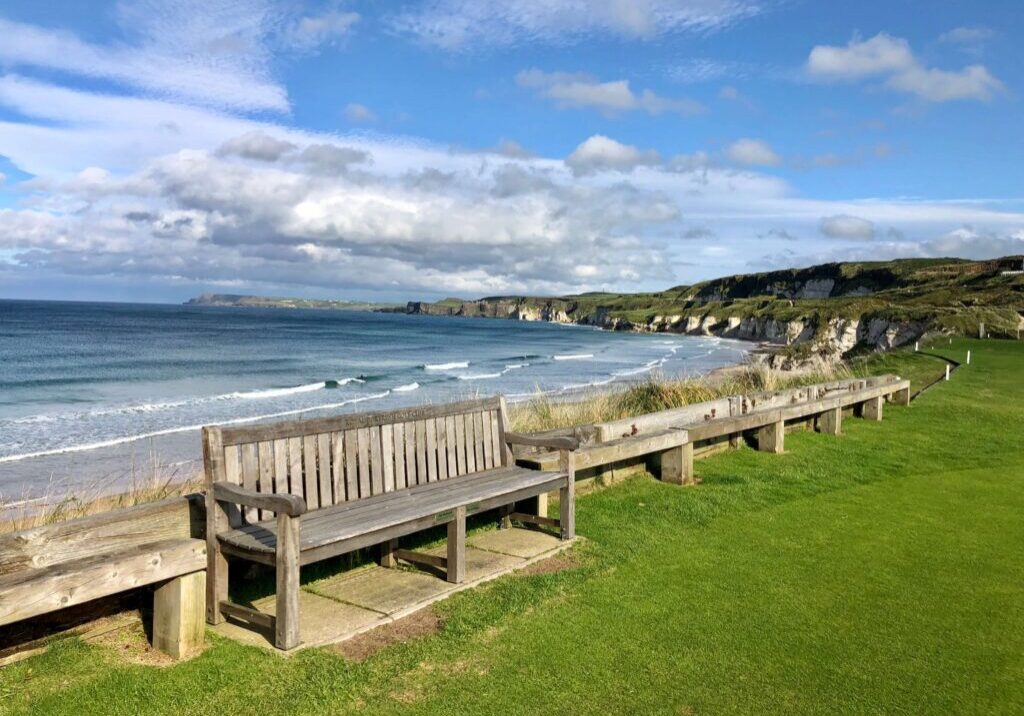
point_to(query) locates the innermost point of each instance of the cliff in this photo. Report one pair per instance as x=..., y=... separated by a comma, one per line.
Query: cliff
x=818, y=313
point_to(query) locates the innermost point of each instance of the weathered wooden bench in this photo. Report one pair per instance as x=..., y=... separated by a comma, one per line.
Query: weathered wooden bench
x=670, y=438
x=61, y=565
x=293, y=493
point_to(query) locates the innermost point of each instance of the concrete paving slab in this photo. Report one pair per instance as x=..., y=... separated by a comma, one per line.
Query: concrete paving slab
x=341, y=607
x=323, y=621
x=383, y=590
x=516, y=542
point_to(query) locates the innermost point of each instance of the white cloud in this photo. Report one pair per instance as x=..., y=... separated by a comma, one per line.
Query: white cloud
x=968, y=36
x=359, y=113
x=752, y=152
x=850, y=228
x=136, y=190
x=934, y=85
x=881, y=54
x=599, y=153
x=257, y=145
x=469, y=24
x=211, y=52
x=313, y=31
x=615, y=97
x=890, y=58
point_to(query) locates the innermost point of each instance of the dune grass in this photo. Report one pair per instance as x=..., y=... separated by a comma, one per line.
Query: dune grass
x=877, y=572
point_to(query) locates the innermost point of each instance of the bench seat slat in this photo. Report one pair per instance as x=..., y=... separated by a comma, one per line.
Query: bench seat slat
x=38, y=591
x=352, y=520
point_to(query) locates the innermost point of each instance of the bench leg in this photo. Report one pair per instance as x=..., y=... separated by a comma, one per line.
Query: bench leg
x=387, y=553
x=771, y=438
x=457, y=547
x=677, y=465
x=178, y=623
x=286, y=619
x=872, y=409
x=567, y=496
x=901, y=397
x=831, y=422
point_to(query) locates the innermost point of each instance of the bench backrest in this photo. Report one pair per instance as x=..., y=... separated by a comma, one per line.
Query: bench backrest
x=342, y=458
x=70, y=541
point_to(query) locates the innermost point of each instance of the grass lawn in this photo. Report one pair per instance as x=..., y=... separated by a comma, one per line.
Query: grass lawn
x=878, y=572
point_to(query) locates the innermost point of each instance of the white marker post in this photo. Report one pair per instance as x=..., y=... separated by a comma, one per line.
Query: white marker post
x=947, y=371
x=916, y=346
x=968, y=357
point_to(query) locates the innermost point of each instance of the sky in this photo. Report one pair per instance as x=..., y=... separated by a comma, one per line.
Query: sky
x=391, y=151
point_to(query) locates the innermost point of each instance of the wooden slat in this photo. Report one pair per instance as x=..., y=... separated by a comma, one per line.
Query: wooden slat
x=309, y=476
x=351, y=465
x=495, y=438
x=460, y=444
x=72, y=540
x=399, y=451
x=98, y=575
x=266, y=453
x=470, y=442
x=338, y=466
x=323, y=444
x=449, y=436
x=250, y=477
x=488, y=444
x=478, y=439
x=503, y=427
x=420, y=445
x=376, y=469
x=237, y=435
x=442, y=448
x=410, y=454
x=280, y=465
x=430, y=427
x=295, y=484
x=363, y=458
x=387, y=456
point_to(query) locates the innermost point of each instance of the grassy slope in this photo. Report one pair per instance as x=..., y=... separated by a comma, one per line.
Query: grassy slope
x=877, y=572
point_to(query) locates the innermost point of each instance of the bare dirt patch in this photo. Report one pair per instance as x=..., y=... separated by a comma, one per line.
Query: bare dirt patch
x=551, y=565
x=415, y=626
x=131, y=644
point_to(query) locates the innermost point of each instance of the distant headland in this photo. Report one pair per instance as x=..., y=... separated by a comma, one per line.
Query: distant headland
x=239, y=301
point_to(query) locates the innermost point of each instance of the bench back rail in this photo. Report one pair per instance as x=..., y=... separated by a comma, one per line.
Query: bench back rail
x=351, y=457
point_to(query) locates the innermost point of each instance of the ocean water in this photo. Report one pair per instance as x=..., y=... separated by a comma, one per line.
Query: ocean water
x=93, y=394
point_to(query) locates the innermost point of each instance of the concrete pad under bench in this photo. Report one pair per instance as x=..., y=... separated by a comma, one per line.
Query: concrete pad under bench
x=348, y=604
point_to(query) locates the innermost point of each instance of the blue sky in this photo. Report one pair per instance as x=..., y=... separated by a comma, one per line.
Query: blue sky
x=154, y=150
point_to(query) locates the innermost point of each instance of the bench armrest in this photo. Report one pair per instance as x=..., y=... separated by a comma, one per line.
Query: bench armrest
x=280, y=503
x=552, y=443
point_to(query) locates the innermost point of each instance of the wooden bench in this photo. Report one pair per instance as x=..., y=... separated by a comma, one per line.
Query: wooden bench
x=293, y=493
x=670, y=438
x=48, y=568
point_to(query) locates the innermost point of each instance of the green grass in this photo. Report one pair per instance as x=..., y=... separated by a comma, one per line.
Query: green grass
x=877, y=572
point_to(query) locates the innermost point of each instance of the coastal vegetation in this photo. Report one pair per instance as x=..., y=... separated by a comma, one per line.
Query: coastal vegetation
x=877, y=560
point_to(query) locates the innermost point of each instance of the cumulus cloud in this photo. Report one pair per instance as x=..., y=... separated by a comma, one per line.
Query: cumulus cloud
x=359, y=113
x=891, y=59
x=850, y=228
x=465, y=24
x=211, y=52
x=614, y=97
x=752, y=152
x=257, y=145
x=600, y=153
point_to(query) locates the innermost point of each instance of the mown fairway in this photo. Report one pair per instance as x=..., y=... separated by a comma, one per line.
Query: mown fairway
x=878, y=572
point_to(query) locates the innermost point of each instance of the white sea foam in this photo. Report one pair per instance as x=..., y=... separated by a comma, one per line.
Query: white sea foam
x=481, y=376
x=278, y=392
x=573, y=356
x=446, y=366
x=407, y=388
x=184, y=428
x=515, y=366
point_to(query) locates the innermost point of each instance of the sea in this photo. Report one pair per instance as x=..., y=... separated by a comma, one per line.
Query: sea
x=100, y=397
